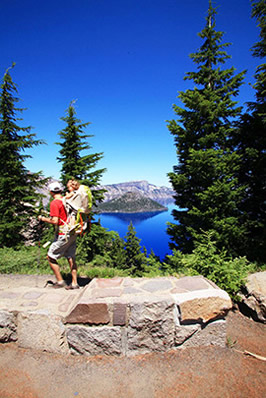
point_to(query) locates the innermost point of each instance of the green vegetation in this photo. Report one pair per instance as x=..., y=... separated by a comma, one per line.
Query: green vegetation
x=18, y=196
x=250, y=146
x=219, y=182
x=218, y=266
x=25, y=260
x=73, y=143
x=111, y=256
x=207, y=190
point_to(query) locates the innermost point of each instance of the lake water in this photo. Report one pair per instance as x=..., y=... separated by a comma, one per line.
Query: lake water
x=150, y=228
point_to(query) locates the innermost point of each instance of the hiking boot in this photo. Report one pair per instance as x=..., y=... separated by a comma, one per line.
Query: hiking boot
x=72, y=287
x=57, y=285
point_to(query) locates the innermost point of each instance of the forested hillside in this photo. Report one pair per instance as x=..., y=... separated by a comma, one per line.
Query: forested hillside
x=130, y=202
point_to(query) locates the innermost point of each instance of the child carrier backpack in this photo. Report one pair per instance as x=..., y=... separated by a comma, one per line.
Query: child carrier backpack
x=77, y=209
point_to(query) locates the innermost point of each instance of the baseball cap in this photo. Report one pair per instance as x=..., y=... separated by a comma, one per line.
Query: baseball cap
x=55, y=187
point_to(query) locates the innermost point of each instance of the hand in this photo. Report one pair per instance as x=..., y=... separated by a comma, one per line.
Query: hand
x=40, y=218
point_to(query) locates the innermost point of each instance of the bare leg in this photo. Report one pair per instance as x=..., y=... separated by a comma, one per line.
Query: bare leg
x=55, y=267
x=73, y=267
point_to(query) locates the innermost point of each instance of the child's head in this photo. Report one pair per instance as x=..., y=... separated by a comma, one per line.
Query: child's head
x=73, y=185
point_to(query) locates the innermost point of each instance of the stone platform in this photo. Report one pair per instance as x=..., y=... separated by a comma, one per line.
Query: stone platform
x=119, y=316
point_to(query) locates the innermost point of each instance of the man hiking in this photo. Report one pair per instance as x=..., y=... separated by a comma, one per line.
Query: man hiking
x=62, y=246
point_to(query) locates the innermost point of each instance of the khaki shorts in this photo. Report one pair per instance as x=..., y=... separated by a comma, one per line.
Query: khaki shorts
x=63, y=247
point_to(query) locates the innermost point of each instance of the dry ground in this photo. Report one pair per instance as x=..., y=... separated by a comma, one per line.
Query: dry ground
x=193, y=372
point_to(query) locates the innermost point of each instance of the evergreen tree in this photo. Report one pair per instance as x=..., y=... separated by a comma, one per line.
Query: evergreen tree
x=117, y=251
x=135, y=259
x=74, y=165
x=17, y=185
x=207, y=193
x=251, y=146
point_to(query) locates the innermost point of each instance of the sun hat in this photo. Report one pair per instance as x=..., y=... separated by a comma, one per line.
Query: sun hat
x=55, y=187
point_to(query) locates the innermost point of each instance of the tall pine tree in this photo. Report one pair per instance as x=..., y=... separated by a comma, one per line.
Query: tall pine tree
x=74, y=165
x=17, y=185
x=135, y=260
x=207, y=193
x=251, y=145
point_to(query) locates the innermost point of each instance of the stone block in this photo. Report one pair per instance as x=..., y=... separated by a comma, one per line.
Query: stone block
x=151, y=326
x=131, y=290
x=33, y=295
x=157, y=285
x=42, y=330
x=9, y=295
x=108, y=283
x=107, y=292
x=90, y=312
x=213, y=334
x=119, y=314
x=191, y=283
x=8, y=327
x=95, y=340
x=203, y=305
x=66, y=304
x=182, y=333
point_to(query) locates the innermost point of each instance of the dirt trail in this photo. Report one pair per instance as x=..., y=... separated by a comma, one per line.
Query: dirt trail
x=193, y=372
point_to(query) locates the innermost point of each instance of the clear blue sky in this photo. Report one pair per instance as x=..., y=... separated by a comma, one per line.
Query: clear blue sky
x=124, y=61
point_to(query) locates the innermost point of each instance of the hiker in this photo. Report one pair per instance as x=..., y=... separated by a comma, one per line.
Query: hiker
x=63, y=245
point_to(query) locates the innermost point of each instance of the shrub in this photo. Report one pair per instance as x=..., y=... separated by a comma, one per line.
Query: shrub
x=227, y=272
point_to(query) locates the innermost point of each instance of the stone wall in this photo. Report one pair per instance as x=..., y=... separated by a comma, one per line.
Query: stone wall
x=124, y=316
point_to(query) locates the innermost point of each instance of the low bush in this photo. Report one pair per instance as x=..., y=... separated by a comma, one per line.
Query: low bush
x=227, y=272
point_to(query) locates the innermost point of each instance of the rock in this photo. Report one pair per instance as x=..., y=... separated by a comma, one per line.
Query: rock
x=89, y=312
x=201, y=306
x=151, y=326
x=120, y=314
x=182, y=333
x=254, y=297
x=8, y=328
x=213, y=334
x=42, y=330
x=95, y=340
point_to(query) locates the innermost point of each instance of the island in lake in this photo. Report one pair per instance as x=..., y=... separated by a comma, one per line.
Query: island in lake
x=130, y=202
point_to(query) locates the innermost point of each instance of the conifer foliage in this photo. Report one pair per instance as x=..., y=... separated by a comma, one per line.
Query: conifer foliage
x=17, y=184
x=73, y=143
x=251, y=146
x=135, y=259
x=207, y=192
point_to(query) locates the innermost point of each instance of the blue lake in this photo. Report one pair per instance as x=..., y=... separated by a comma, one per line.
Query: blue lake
x=150, y=228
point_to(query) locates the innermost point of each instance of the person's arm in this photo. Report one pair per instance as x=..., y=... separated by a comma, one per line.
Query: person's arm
x=69, y=195
x=49, y=220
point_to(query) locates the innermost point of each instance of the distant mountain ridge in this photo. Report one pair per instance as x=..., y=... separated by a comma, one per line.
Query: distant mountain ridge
x=130, y=202
x=162, y=195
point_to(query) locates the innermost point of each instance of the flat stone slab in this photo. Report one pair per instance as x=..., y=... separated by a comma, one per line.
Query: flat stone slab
x=22, y=293
x=196, y=299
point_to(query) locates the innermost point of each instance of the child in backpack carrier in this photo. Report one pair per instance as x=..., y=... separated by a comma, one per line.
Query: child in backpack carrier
x=77, y=201
x=72, y=186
